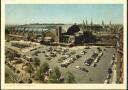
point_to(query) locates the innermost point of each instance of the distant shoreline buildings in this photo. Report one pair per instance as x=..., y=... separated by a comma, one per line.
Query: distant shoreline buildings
x=57, y=33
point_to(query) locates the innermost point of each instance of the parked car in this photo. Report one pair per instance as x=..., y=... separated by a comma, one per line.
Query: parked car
x=96, y=60
x=88, y=62
x=84, y=69
x=99, y=49
x=73, y=52
x=48, y=58
x=113, y=57
x=94, y=55
x=46, y=55
x=53, y=55
x=77, y=67
x=108, y=76
x=43, y=51
x=83, y=52
x=64, y=65
x=73, y=58
x=78, y=56
x=106, y=82
x=93, y=65
x=101, y=53
x=63, y=58
x=60, y=60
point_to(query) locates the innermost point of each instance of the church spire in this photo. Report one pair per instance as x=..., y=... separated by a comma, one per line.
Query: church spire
x=91, y=22
x=86, y=22
x=110, y=23
x=102, y=23
x=83, y=22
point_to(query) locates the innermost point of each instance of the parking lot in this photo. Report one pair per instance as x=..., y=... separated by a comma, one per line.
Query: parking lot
x=73, y=60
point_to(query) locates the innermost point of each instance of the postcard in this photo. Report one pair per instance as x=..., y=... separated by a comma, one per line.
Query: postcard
x=63, y=44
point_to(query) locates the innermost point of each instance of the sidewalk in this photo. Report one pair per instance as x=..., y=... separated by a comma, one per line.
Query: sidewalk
x=114, y=74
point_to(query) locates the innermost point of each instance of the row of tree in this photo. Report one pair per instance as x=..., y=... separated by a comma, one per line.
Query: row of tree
x=55, y=75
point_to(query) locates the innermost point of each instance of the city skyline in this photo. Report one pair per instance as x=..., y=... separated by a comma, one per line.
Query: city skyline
x=63, y=13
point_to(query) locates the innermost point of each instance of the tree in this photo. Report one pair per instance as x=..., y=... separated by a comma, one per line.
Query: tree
x=55, y=75
x=10, y=57
x=57, y=72
x=39, y=75
x=69, y=78
x=41, y=71
x=30, y=69
x=109, y=70
x=36, y=62
x=45, y=67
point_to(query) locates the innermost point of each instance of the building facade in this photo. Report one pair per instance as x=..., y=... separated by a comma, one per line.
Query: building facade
x=120, y=65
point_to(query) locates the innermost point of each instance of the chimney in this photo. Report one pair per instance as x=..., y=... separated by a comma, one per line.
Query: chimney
x=102, y=23
x=59, y=32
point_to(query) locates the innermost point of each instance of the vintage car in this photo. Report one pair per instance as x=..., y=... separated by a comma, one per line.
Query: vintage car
x=89, y=61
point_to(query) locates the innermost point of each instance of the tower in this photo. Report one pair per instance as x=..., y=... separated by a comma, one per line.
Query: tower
x=91, y=22
x=91, y=25
x=102, y=23
x=86, y=23
x=83, y=24
x=59, y=31
x=110, y=23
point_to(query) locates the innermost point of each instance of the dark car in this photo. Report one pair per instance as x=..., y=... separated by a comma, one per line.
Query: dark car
x=88, y=62
x=94, y=55
x=64, y=65
x=78, y=56
x=93, y=65
x=99, y=49
x=84, y=69
x=60, y=60
x=48, y=58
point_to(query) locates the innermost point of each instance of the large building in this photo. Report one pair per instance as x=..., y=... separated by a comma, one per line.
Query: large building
x=73, y=35
x=120, y=72
x=50, y=35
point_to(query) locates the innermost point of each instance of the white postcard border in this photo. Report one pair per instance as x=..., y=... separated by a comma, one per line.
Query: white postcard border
x=61, y=86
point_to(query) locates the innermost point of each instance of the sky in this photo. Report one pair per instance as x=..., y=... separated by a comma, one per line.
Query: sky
x=63, y=13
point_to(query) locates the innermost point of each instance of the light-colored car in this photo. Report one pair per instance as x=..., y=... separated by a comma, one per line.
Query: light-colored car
x=77, y=67
x=106, y=82
x=101, y=53
x=113, y=57
x=93, y=65
x=108, y=76
x=96, y=60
